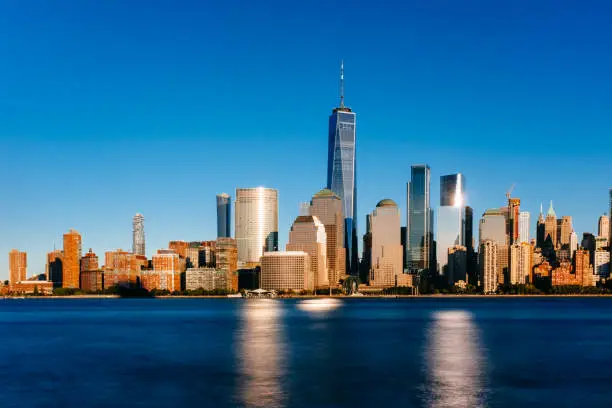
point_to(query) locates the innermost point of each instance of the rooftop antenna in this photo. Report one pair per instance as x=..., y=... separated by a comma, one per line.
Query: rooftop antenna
x=342, y=84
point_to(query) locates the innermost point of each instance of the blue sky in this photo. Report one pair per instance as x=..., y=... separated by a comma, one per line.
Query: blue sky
x=117, y=107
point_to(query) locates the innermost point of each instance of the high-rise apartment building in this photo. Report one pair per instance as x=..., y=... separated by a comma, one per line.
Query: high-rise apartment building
x=18, y=265
x=71, y=261
x=308, y=235
x=289, y=270
x=256, y=223
x=224, y=216
x=91, y=275
x=167, y=268
x=138, y=235
x=419, y=242
x=327, y=207
x=122, y=268
x=602, y=264
x=521, y=258
x=524, y=223
x=550, y=225
x=514, y=210
x=386, y=269
x=583, y=268
x=451, y=218
x=226, y=260
x=493, y=227
x=603, y=229
x=488, y=266
x=341, y=172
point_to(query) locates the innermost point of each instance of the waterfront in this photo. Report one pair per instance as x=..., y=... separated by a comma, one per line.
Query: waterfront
x=431, y=352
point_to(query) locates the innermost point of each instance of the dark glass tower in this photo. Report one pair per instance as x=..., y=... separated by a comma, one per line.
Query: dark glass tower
x=224, y=216
x=419, y=240
x=341, y=177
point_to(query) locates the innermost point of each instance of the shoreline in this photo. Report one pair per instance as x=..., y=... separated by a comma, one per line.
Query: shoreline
x=438, y=296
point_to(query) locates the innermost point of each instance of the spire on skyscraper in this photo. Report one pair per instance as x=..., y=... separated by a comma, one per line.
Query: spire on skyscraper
x=342, y=84
x=551, y=211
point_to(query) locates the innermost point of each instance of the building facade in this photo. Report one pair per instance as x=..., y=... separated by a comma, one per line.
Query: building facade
x=18, y=266
x=122, y=268
x=451, y=218
x=564, y=231
x=419, y=242
x=224, y=216
x=167, y=268
x=493, y=227
x=488, y=266
x=205, y=278
x=54, y=267
x=457, y=265
x=524, y=225
x=288, y=271
x=386, y=269
x=550, y=225
x=341, y=173
x=256, y=223
x=602, y=264
x=138, y=235
x=71, y=261
x=521, y=263
x=227, y=261
x=308, y=235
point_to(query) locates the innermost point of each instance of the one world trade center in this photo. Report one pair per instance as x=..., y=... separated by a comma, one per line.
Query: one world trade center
x=341, y=177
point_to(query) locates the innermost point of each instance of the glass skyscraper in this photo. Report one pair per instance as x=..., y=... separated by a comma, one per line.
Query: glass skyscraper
x=341, y=177
x=256, y=223
x=224, y=216
x=451, y=217
x=419, y=229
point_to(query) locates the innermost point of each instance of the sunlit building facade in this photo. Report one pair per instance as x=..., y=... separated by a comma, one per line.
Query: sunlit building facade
x=226, y=260
x=386, y=269
x=71, y=261
x=18, y=265
x=256, y=213
x=488, y=266
x=524, y=225
x=138, y=235
x=224, y=215
x=308, y=235
x=419, y=228
x=450, y=219
x=521, y=259
x=287, y=271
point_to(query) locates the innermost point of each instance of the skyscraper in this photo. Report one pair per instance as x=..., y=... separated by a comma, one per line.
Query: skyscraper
x=564, y=230
x=540, y=229
x=256, y=223
x=550, y=225
x=419, y=242
x=524, y=221
x=341, y=172
x=451, y=217
x=308, y=234
x=493, y=228
x=514, y=210
x=224, y=216
x=18, y=264
x=227, y=260
x=138, y=235
x=603, y=229
x=488, y=266
x=386, y=268
x=327, y=207
x=71, y=260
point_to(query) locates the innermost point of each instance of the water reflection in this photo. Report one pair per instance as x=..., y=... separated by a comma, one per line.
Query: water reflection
x=262, y=354
x=455, y=362
x=319, y=306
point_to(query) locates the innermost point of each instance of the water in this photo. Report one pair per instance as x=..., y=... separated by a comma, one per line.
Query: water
x=277, y=353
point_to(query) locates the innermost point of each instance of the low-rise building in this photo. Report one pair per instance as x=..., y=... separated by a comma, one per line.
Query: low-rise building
x=289, y=270
x=205, y=278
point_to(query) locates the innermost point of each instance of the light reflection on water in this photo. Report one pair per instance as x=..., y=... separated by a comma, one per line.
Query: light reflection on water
x=455, y=361
x=262, y=354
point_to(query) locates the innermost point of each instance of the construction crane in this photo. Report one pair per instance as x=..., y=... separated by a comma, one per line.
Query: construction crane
x=509, y=192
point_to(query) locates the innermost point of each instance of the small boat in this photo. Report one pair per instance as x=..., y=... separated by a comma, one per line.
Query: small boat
x=235, y=295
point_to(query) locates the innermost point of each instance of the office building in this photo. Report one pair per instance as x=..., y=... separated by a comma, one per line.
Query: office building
x=224, y=216
x=256, y=223
x=584, y=268
x=71, y=260
x=327, y=207
x=386, y=269
x=308, y=235
x=493, y=227
x=514, y=210
x=540, y=230
x=603, y=229
x=287, y=271
x=550, y=226
x=488, y=266
x=573, y=243
x=521, y=263
x=564, y=230
x=341, y=172
x=601, y=243
x=226, y=260
x=523, y=225
x=54, y=267
x=602, y=264
x=457, y=265
x=419, y=250
x=18, y=265
x=138, y=235
x=451, y=218
x=208, y=279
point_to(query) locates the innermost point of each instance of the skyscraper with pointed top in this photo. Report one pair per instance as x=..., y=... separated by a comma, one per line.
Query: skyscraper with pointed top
x=341, y=175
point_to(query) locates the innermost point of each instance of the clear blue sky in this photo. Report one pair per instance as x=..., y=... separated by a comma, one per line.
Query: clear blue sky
x=108, y=108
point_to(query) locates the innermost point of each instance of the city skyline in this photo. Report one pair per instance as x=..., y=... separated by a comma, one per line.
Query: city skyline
x=169, y=123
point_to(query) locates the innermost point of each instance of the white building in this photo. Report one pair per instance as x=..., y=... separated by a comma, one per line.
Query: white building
x=387, y=268
x=602, y=264
x=256, y=213
x=488, y=266
x=524, y=223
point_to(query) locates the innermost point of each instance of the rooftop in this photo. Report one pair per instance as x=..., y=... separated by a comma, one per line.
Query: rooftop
x=326, y=193
x=387, y=202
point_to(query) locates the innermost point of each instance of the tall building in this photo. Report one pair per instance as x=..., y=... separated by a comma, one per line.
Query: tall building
x=122, y=268
x=386, y=269
x=488, y=266
x=419, y=242
x=573, y=243
x=308, y=235
x=514, y=210
x=224, y=216
x=472, y=254
x=603, y=229
x=71, y=262
x=564, y=230
x=550, y=225
x=167, y=268
x=521, y=259
x=138, y=235
x=341, y=172
x=327, y=207
x=457, y=265
x=451, y=218
x=54, y=267
x=289, y=270
x=540, y=230
x=91, y=275
x=602, y=264
x=583, y=268
x=227, y=261
x=524, y=222
x=493, y=227
x=256, y=223
x=18, y=264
